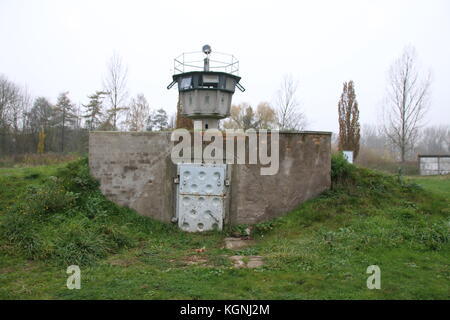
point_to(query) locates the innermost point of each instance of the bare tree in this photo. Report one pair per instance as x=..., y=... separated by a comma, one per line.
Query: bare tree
x=243, y=116
x=14, y=105
x=27, y=126
x=138, y=113
x=115, y=84
x=172, y=121
x=235, y=119
x=9, y=102
x=373, y=137
x=266, y=116
x=434, y=140
x=18, y=114
x=25, y=102
x=375, y=147
x=407, y=102
x=40, y=121
x=289, y=113
x=41, y=115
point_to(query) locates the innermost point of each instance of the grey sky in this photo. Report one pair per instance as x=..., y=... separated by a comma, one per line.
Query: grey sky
x=56, y=46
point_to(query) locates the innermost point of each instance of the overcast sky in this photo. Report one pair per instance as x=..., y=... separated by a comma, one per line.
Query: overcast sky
x=56, y=46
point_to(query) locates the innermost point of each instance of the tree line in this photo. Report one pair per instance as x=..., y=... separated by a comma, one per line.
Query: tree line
x=36, y=125
x=401, y=134
x=285, y=114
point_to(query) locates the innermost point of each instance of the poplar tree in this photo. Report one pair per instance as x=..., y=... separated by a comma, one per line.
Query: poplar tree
x=349, y=128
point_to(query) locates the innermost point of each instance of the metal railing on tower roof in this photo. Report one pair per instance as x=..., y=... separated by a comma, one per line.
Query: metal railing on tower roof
x=194, y=61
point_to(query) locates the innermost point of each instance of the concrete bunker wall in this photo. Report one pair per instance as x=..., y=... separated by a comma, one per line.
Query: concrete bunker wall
x=135, y=170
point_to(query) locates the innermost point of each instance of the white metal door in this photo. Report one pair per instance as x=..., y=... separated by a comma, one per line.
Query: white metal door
x=201, y=196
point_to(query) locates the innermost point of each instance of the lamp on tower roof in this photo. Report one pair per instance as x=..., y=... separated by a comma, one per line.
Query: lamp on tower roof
x=206, y=50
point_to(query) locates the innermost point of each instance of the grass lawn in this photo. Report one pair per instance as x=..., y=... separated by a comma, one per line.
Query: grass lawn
x=436, y=184
x=319, y=251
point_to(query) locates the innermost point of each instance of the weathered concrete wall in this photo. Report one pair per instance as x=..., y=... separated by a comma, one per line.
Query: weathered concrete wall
x=304, y=172
x=135, y=170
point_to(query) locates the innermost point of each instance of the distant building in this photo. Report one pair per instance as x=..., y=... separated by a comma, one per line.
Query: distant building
x=434, y=164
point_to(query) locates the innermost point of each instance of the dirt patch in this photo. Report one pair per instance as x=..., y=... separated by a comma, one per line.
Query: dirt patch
x=195, y=260
x=28, y=266
x=238, y=243
x=123, y=262
x=7, y=270
x=247, y=261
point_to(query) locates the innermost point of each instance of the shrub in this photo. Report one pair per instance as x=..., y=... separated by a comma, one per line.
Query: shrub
x=341, y=170
x=47, y=199
x=75, y=176
x=81, y=246
x=68, y=221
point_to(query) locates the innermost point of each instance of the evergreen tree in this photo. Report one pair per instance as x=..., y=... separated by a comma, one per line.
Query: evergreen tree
x=94, y=110
x=64, y=115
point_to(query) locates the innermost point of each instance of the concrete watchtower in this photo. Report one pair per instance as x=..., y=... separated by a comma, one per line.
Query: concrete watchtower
x=206, y=85
x=137, y=170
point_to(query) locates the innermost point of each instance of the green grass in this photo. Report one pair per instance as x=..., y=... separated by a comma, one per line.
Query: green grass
x=319, y=251
x=14, y=181
x=436, y=184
